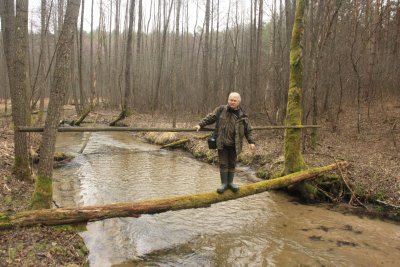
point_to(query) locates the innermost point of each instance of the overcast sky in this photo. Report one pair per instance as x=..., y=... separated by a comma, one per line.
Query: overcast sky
x=244, y=11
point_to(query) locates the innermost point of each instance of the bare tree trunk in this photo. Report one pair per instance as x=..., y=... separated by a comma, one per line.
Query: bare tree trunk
x=258, y=62
x=176, y=67
x=73, y=75
x=161, y=62
x=138, y=61
x=126, y=109
x=253, y=50
x=216, y=59
x=42, y=58
x=15, y=40
x=92, y=86
x=80, y=64
x=110, y=84
x=42, y=195
x=115, y=87
x=354, y=62
x=206, y=55
x=99, y=70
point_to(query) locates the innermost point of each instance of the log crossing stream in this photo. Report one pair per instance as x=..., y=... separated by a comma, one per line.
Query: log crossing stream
x=268, y=229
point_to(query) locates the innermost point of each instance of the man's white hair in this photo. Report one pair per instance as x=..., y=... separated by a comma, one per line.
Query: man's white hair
x=236, y=95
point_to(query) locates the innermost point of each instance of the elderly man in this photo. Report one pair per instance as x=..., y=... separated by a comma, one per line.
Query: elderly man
x=232, y=124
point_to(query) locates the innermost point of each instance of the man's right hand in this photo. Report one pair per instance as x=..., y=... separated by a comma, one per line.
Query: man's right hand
x=197, y=127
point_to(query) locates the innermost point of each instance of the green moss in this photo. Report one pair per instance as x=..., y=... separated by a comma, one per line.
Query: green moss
x=246, y=158
x=70, y=228
x=211, y=156
x=360, y=191
x=293, y=159
x=8, y=200
x=379, y=208
x=262, y=173
x=43, y=194
x=58, y=156
x=12, y=253
x=380, y=195
x=5, y=221
x=21, y=169
x=81, y=249
x=277, y=174
x=307, y=191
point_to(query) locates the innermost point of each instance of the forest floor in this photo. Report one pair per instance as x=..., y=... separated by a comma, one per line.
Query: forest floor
x=373, y=176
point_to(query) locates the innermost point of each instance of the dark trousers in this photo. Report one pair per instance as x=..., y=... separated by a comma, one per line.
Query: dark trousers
x=227, y=158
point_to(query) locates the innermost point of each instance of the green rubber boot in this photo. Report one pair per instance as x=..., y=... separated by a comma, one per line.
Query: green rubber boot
x=231, y=185
x=224, y=182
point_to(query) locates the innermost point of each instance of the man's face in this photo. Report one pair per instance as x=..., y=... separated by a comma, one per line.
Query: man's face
x=233, y=102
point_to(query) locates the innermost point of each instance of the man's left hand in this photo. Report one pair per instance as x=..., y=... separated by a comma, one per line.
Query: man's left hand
x=252, y=146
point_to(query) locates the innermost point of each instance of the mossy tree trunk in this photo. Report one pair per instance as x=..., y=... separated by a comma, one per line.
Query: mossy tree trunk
x=294, y=161
x=42, y=195
x=293, y=158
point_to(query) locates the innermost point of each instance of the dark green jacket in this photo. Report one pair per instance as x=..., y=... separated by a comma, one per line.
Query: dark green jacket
x=229, y=125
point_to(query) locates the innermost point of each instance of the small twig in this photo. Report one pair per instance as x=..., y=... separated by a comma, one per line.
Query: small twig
x=387, y=204
x=353, y=195
x=325, y=193
x=6, y=187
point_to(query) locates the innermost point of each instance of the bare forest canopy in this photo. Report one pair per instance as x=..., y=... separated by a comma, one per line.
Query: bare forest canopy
x=188, y=61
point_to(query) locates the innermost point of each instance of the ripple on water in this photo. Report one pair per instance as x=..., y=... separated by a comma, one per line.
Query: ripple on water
x=260, y=230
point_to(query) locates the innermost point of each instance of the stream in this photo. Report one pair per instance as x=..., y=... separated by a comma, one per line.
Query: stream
x=267, y=229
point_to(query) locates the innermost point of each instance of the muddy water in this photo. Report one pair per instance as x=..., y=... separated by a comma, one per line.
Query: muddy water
x=267, y=229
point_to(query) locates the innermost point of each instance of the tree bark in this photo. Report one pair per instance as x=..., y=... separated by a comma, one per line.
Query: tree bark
x=206, y=55
x=92, y=81
x=136, y=209
x=80, y=65
x=126, y=108
x=15, y=39
x=161, y=59
x=42, y=195
x=176, y=67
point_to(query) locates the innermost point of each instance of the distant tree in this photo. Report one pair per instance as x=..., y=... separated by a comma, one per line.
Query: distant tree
x=176, y=67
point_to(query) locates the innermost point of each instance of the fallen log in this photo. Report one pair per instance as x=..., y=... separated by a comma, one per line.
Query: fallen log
x=26, y=129
x=176, y=143
x=136, y=209
x=121, y=116
x=81, y=118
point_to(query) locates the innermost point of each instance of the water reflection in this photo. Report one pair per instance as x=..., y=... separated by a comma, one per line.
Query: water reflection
x=261, y=230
